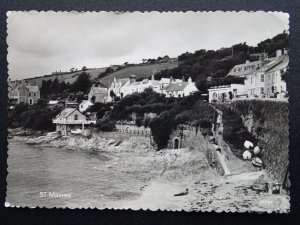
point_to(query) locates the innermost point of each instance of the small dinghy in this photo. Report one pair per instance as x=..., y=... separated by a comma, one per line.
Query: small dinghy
x=257, y=162
x=182, y=193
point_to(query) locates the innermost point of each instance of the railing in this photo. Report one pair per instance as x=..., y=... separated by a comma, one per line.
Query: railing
x=74, y=121
x=261, y=99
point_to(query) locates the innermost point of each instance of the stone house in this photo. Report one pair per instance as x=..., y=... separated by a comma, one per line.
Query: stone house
x=100, y=94
x=24, y=93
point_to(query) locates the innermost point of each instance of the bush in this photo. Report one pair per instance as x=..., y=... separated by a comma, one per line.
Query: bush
x=161, y=128
x=181, y=118
x=205, y=124
x=105, y=124
x=146, y=121
x=139, y=121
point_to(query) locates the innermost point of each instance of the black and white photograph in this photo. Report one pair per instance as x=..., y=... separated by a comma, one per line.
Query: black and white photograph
x=177, y=111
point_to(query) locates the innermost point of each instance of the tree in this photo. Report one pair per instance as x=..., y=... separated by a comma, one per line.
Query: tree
x=82, y=83
x=55, y=86
x=83, y=68
x=93, y=99
x=161, y=128
x=72, y=70
x=112, y=94
x=105, y=124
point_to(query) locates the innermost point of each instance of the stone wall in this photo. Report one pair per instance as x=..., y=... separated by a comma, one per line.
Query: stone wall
x=194, y=140
x=268, y=122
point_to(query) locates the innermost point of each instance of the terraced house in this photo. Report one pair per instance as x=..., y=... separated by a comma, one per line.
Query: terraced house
x=264, y=78
x=24, y=93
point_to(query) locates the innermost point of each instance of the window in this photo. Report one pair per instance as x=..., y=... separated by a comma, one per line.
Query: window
x=34, y=94
x=262, y=90
x=275, y=89
x=269, y=77
x=262, y=78
x=29, y=94
x=251, y=80
x=76, y=117
x=215, y=95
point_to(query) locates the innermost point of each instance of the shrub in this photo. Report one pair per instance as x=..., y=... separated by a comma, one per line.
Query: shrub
x=146, y=121
x=139, y=121
x=161, y=128
x=105, y=124
x=205, y=124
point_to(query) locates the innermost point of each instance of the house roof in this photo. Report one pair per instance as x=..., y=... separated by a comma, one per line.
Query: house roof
x=167, y=80
x=282, y=63
x=244, y=72
x=176, y=86
x=86, y=101
x=30, y=88
x=97, y=90
x=123, y=80
x=33, y=88
x=155, y=82
x=66, y=112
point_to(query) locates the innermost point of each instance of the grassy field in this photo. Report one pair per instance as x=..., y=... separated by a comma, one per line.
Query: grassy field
x=141, y=71
x=66, y=77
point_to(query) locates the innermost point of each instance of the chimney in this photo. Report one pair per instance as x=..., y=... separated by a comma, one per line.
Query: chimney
x=190, y=80
x=132, y=79
x=285, y=51
x=247, y=61
x=171, y=79
x=278, y=53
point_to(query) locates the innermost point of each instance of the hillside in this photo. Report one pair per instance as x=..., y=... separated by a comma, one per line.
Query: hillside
x=66, y=77
x=210, y=68
x=141, y=71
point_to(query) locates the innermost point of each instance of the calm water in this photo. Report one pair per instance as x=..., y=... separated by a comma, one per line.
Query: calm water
x=92, y=179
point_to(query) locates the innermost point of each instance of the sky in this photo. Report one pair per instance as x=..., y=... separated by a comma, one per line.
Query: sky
x=43, y=42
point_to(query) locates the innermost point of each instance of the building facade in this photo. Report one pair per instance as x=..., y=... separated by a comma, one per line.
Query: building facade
x=264, y=78
x=71, y=119
x=100, y=94
x=84, y=105
x=226, y=93
x=166, y=86
x=24, y=94
x=180, y=89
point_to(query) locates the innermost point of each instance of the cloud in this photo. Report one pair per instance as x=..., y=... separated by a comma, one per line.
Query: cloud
x=43, y=42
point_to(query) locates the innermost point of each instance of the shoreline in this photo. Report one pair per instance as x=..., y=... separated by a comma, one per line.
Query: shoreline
x=172, y=171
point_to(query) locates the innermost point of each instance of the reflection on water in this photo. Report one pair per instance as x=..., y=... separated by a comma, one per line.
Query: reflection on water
x=91, y=178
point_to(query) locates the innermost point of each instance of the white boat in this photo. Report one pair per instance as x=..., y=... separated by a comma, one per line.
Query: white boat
x=77, y=131
x=257, y=162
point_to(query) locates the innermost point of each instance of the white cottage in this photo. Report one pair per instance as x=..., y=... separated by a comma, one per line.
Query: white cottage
x=84, y=105
x=226, y=92
x=180, y=89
